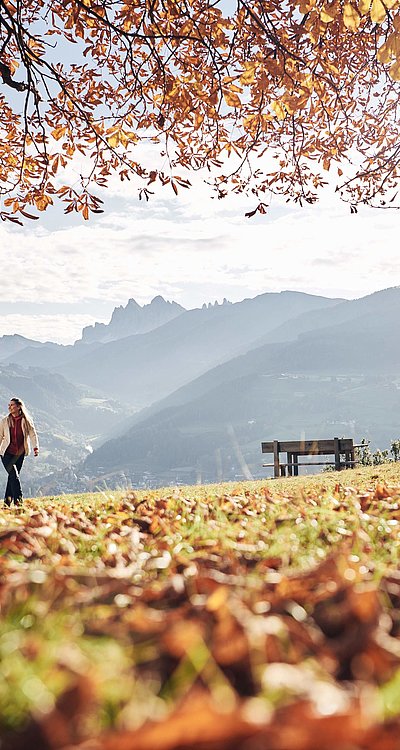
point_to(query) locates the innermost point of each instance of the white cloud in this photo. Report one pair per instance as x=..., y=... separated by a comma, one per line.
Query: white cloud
x=191, y=249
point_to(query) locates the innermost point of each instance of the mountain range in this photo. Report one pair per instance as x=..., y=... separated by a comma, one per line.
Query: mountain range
x=190, y=394
x=133, y=319
x=144, y=367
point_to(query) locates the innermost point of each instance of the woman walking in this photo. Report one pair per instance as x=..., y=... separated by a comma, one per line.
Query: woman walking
x=15, y=429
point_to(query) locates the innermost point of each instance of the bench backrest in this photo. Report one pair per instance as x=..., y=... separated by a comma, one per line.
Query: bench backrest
x=309, y=447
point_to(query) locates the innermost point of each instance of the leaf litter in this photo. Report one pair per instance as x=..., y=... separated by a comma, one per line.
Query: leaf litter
x=173, y=620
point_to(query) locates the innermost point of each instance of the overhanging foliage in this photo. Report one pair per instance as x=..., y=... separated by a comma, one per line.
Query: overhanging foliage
x=289, y=90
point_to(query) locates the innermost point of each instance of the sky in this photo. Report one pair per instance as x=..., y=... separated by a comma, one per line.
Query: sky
x=61, y=274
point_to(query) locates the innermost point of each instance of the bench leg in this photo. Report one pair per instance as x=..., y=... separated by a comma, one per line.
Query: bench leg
x=276, y=459
x=337, y=453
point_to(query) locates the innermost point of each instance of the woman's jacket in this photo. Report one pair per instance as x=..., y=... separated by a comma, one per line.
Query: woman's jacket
x=27, y=428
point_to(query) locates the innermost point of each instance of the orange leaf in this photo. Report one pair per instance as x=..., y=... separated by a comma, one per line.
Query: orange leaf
x=351, y=17
x=232, y=99
x=279, y=110
x=58, y=133
x=378, y=11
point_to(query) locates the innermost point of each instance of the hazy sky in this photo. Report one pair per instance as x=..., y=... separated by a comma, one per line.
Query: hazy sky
x=59, y=275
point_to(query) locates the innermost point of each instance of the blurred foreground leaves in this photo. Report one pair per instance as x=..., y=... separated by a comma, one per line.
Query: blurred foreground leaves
x=247, y=619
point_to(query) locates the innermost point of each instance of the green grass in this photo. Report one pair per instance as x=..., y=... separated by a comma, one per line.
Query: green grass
x=137, y=597
x=299, y=519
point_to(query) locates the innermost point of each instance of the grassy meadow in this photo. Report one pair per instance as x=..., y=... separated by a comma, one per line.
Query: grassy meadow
x=246, y=615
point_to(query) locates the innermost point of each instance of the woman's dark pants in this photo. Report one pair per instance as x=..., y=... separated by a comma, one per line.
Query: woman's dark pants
x=12, y=465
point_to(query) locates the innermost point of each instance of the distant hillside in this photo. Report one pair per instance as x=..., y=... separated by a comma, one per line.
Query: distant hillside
x=339, y=380
x=367, y=342
x=218, y=435
x=359, y=340
x=344, y=314
x=50, y=356
x=141, y=369
x=10, y=345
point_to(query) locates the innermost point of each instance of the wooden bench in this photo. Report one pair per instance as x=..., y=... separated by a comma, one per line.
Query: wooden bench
x=343, y=450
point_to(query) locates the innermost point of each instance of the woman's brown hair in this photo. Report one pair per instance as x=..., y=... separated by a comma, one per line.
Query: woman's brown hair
x=23, y=410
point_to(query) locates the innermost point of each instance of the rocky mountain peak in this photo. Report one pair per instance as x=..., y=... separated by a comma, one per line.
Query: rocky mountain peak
x=133, y=319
